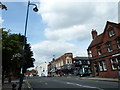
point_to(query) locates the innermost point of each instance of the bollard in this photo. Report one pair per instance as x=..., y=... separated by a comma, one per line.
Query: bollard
x=14, y=86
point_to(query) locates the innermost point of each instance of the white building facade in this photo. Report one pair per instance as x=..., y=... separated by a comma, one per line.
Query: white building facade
x=42, y=69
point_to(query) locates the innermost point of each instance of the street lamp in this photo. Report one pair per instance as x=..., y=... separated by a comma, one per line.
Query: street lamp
x=24, y=42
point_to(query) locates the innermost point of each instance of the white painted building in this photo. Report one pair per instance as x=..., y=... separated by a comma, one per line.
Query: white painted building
x=42, y=69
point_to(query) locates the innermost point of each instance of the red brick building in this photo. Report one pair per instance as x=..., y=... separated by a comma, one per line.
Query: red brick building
x=104, y=51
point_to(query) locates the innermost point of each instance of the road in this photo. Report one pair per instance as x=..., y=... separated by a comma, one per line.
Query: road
x=70, y=82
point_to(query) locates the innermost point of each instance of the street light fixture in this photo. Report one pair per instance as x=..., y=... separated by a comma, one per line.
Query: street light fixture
x=24, y=42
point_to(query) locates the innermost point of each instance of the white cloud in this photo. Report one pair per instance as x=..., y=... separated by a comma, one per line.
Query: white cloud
x=45, y=50
x=71, y=21
x=61, y=17
x=77, y=32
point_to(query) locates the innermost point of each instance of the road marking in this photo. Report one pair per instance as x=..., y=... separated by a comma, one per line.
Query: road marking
x=83, y=85
x=29, y=86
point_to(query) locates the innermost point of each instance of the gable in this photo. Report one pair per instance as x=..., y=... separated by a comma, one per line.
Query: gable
x=108, y=27
x=102, y=37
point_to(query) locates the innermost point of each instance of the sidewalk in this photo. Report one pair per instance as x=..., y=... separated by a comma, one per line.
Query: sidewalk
x=8, y=86
x=95, y=78
x=100, y=79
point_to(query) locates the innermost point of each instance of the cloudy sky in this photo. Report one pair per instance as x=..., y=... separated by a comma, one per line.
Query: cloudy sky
x=60, y=26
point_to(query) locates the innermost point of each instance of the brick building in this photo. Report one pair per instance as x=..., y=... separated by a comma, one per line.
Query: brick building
x=104, y=51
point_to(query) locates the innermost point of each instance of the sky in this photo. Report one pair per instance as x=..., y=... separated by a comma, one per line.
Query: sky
x=60, y=26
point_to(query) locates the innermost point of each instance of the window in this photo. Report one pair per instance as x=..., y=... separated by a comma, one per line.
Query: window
x=61, y=62
x=80, y=62
x=90, y=53
x=88, y=62
x=102, y=66
x=118, y=44
x=68, y=60
x=111, y=32
x=99, y=50
x=118, y=61
x=114, y=63
x=109, y=47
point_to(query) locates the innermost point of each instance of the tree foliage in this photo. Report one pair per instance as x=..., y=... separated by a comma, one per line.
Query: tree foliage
x=11, y=53
x=2, y=6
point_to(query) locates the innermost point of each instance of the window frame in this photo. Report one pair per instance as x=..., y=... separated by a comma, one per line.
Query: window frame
x=111, y=32
x=99, y=52
x=102, y=66
x=90, y=53
x=113, y=66
x=109, y=47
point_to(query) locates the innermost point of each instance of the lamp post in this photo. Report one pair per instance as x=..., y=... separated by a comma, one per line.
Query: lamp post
x=24, y=42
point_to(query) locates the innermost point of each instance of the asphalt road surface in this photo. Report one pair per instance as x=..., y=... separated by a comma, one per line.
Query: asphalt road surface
x=70, y=82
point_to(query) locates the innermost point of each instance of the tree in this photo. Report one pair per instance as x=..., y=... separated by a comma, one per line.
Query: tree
x=2, y=6
x=11, y=54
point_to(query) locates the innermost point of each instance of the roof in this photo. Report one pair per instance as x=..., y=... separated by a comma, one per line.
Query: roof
x=81, y=58
x=100, y=37
x=96, y=41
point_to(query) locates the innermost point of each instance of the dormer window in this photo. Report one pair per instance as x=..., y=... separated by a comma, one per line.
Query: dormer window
x=111, y=32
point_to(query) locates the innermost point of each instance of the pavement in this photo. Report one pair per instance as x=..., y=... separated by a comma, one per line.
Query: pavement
x=8, y=86
x=95, y=78
x=101, y=79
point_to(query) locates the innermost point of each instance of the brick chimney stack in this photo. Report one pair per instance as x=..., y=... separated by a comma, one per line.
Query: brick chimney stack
x=94, y=33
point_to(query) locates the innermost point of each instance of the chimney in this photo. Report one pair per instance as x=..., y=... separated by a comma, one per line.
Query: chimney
x=94, y=33
x=53, y=58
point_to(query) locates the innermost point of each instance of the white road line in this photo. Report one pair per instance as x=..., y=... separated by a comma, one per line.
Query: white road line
x=83, y=85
